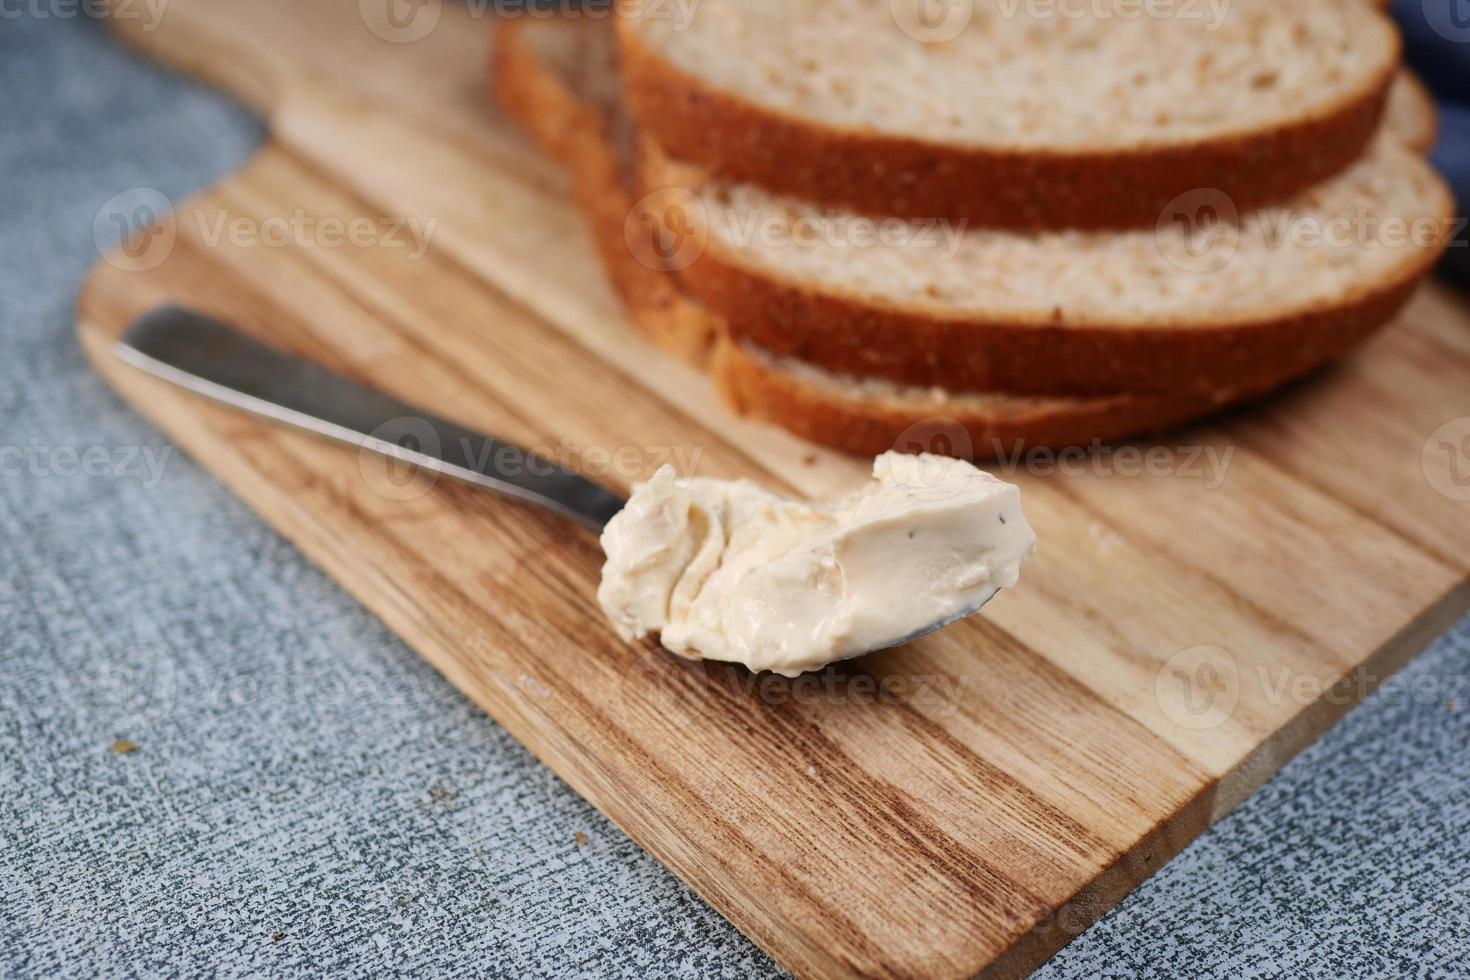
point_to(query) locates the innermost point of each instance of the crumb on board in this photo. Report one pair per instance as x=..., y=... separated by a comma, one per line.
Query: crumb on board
x=123, y=746
x=277, y=936
x=581, y=839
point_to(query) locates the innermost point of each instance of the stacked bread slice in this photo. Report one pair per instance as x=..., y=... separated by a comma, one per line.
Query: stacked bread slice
x=1024, y=229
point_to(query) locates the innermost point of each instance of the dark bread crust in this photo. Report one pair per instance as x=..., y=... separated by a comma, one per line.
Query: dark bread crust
x=754, y=386
x=580, y=136
x=849, y=335
x=884, y=174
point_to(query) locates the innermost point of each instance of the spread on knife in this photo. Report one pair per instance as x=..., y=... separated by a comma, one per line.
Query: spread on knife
x=727, y=570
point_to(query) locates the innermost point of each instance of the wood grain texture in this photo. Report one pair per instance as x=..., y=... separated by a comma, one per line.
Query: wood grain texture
x=965, y=804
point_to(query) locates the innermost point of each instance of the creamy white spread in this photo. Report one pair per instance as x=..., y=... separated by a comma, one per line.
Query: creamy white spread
x=727, y=570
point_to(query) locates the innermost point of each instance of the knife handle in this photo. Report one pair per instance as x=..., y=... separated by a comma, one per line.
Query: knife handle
x=213, y=359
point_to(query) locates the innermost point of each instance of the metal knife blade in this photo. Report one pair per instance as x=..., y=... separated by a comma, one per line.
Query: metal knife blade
x=215, y=360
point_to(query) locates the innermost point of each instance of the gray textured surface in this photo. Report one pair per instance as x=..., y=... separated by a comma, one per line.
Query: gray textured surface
x=301, y=774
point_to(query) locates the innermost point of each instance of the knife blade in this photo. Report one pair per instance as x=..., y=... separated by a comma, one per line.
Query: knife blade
x=213, y=359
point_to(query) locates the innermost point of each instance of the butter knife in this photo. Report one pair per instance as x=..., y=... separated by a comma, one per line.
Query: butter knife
x=212, y=359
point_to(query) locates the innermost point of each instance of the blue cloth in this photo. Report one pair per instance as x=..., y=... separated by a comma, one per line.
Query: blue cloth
x=1437, y=43
x=307, y=797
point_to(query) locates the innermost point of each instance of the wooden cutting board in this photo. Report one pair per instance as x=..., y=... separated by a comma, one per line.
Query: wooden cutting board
x=965, y=804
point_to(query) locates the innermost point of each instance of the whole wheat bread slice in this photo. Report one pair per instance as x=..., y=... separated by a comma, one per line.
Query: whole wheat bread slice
x=558, y=80
x=1186, y=306
x=867, y=417
x=552, y=77
x=1030, y=116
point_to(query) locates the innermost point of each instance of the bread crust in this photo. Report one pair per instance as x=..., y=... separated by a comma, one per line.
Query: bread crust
x=850, y=335
x=756, y=387
x=580, y=137
x=576, y=134
x=1023, y=190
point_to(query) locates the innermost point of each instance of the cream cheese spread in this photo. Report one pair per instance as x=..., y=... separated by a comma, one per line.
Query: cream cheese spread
x=727, y=570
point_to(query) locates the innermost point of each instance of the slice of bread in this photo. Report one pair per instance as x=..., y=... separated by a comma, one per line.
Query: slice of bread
x=1199, y=302
x=867, y=417
x=558, y=80
x=1009, y=113
x=551, y=76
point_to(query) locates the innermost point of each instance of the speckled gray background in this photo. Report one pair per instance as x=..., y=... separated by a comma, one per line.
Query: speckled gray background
x=307, y=797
